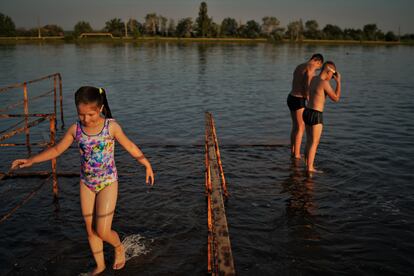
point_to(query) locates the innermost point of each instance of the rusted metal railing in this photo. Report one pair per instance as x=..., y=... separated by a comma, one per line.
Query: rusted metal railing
x=219, y=254
x=24, y=126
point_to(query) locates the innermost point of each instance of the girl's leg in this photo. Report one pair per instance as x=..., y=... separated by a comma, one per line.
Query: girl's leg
x=105, y=208
x=316, y=133
x=87, y=200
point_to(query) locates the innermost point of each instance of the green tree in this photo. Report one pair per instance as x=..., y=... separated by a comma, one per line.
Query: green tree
x=332, y=32
x=312, y=30
x=203, y=22
x=151, y=24
x=134, y=27
x=352, y=34
x=269, y=25
x=390, y=36
x=229, y=27
x=52, y=30
x=115, y=26
x=7, y=27
x=370, y=31
x=171, y=27
x=82, y=27
x=214, y=30
x=295, y=30
x=251, y=29
x=163, y=25
x=185, y=27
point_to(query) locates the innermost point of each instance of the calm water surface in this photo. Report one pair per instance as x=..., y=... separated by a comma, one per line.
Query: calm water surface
x=357, y=218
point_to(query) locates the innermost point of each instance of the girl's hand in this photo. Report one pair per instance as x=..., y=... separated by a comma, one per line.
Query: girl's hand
x=21, y=163
x=149, y=179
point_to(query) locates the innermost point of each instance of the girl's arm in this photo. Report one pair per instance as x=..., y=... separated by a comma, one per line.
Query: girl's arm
x=133, y=149
x=49, y=153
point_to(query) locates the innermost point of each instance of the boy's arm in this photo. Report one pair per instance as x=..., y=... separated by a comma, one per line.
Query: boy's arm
x=49, y=153
x=334, y=95
x=132, y=149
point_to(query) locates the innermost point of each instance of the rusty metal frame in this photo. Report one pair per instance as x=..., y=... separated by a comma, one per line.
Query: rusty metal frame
x=29, y=123
x=219, y=253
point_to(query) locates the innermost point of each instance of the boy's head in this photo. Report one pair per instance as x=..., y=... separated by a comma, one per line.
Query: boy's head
x=317, y=59
x=329, y=68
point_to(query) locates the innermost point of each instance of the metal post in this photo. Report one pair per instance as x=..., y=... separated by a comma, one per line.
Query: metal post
x=52, y=143
x=54, y=97
x=61, y=101
x=26, y=120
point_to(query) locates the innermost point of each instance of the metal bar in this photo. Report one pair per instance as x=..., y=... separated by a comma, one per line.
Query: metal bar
x=22, y=129
x=37, y=173
x=22, y=102
x=61, y=101
x=26, y=199
x=26, y=113
x=54, y=98
x=18, y=85
x=12, y=126
x=223, y=180
x=222, y=263
x=52, y=124
x=40, y=144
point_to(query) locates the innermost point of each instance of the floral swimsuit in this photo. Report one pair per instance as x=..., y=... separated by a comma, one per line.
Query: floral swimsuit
x=98, y=168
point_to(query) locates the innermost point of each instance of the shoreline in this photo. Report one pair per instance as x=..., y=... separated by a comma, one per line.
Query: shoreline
x=62, y=39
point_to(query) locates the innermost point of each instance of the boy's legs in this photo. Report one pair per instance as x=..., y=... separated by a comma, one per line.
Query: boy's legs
x=105, y=208
x=314, y=132
x=296, y=134
x=87, y=200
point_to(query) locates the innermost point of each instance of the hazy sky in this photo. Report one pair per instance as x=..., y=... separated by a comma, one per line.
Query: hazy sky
x=389, y=15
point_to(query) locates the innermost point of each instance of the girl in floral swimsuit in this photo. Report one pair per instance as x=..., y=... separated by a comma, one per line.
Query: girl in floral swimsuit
x=95, y=136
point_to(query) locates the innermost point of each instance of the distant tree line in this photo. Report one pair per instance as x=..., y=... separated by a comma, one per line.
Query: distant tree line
x=205, y=27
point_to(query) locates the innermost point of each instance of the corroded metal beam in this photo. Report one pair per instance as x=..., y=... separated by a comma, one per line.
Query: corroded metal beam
x=220, y=257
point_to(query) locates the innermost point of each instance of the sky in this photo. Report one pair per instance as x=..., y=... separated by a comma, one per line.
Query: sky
x=389, y=15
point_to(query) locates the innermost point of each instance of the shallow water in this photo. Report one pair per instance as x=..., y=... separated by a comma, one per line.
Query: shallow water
x=355, y=218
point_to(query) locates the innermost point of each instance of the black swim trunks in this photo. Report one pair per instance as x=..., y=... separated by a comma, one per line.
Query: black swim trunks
x=294, y=103
x=312, y=117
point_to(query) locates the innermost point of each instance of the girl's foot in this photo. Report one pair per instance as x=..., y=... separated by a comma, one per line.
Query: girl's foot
x=119, y=261
x=97, y=271
x=99, y=268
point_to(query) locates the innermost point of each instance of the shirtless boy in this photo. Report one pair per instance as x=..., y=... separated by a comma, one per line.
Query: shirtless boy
x=318, y=90
x=296, y=100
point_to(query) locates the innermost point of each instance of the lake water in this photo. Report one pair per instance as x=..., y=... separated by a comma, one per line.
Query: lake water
x=357, y=218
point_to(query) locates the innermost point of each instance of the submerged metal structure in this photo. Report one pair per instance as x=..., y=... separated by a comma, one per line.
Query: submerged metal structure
x=219, y=254
x=28, y=121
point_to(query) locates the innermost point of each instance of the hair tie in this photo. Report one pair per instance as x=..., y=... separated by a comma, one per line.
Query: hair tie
x=101, y=91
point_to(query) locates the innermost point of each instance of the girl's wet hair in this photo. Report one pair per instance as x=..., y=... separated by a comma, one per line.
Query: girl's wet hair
x=90, y=94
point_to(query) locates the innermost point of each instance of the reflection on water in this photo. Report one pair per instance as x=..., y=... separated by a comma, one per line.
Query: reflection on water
x=355, y=218
x=300, y=186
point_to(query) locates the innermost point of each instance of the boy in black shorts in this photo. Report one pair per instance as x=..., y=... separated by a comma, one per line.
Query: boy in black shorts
x=319, y=88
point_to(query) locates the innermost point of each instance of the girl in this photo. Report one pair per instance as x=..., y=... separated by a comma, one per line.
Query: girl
x=95, y=136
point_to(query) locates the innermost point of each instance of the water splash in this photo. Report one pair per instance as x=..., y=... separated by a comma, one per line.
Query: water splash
x=135, y=245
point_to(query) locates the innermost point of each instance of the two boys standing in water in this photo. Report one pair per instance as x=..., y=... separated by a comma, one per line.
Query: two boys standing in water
x=307, y=87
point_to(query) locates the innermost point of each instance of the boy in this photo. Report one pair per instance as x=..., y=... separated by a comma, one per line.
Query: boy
x=313, y=114
x=296, y=100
